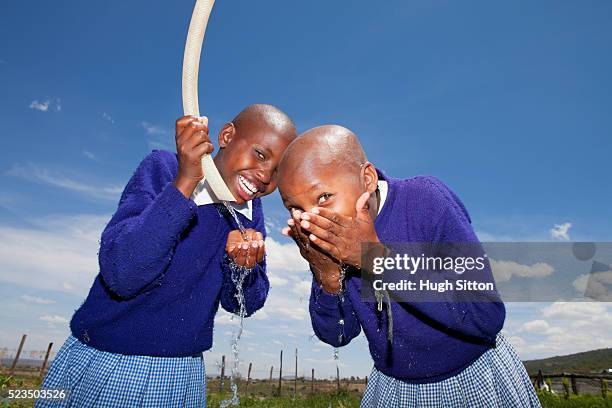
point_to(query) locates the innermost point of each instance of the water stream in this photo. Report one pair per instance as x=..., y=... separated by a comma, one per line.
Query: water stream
x=239, y=273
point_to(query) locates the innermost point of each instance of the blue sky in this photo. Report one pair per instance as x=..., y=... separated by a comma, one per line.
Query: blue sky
x=509, y=104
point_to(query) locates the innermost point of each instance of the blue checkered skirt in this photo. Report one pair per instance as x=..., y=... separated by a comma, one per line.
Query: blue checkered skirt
x=94, y=378
x=496, y=379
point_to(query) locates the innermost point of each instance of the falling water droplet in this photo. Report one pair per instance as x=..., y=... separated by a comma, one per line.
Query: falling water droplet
x=239, y=273
x=232, y=211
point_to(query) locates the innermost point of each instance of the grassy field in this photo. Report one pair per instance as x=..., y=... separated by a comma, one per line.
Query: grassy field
x=261, y=396
x=549, y=400
x=319, y=400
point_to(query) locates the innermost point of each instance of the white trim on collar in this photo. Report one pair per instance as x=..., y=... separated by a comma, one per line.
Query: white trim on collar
x=203, y=195
x=383, y=187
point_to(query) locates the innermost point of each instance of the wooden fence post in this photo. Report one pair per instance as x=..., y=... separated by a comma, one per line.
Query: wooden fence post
x=222, y=373
x=539, y=380
x=44, y=365
x=312, y=382
x=12, y=370
x=574, y=385
x=280, y=374
x=338, y=378
x=366, y=381
x=295, y=379
x=246, y=391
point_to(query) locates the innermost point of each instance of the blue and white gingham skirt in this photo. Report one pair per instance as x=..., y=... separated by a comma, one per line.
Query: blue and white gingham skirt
x=94, y=378
x=496, y=379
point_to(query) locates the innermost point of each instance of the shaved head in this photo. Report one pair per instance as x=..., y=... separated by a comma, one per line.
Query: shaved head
x=327, y=167
x=323, y=145
x=264, y=114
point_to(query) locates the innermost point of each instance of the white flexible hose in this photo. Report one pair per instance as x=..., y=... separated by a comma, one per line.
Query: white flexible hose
x=191, y=64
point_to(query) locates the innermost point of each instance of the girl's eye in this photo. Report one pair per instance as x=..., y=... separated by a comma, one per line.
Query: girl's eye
x=260, y=154
x=324, y=197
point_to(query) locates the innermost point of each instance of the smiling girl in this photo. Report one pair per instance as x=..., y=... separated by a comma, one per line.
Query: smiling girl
x=166, y=259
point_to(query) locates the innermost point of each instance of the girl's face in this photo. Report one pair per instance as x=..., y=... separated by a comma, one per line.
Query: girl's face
x=248, y=162
x=333, y=186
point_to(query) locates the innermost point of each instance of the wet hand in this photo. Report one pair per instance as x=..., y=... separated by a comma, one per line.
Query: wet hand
x=325, y=269
x=247, y=252
x=339, y=235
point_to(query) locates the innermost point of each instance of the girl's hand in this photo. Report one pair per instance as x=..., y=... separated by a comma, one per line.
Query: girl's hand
x=339, y=235
x=192, y=142
x=325, y=269
x=246, y=253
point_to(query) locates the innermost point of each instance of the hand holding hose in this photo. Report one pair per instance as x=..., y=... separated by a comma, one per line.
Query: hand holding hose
x=192, y=142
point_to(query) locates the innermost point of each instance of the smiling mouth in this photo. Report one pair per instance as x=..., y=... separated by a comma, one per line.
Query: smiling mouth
x=247, y=187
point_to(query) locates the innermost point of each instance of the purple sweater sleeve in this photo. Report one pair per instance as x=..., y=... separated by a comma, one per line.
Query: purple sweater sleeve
x=481, y=319
x=333, y=318
x=256, y=285
x=138, y=243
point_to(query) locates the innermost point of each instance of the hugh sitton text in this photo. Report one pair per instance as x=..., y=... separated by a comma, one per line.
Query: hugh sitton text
x=427, y=285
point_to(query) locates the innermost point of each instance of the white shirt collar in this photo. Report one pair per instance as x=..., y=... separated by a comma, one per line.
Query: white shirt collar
x=203, y=195
x=383, y=187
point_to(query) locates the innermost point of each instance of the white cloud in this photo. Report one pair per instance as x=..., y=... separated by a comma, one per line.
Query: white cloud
x=574, y=310
x=302, y=288
x=284, y=257
x=504, y=270
x=47, y=105
x=41, y=106
x=35, y=173
x=292, y=312
x=53, y=319
x=286, y=267
x=565, y=328
x=595, y=286
x=56, y=253
x=276, y=280
x=89, y=155
x=561, y=231
x=283, y=261
x=517, y=342
x=37, y=300
x=540, y=327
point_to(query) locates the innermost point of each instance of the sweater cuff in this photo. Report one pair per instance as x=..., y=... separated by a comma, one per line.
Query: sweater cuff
x=324, y=299
x=179, y=209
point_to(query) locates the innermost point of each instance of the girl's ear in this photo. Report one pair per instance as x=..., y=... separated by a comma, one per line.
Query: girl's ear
x=226, y=134
x=369, y=177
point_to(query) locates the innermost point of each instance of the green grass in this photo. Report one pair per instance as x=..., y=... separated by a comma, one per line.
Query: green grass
x=342, y=399
x=320, y=400
x=549, y=400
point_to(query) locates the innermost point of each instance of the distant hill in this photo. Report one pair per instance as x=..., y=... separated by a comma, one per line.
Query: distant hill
x=587, y=362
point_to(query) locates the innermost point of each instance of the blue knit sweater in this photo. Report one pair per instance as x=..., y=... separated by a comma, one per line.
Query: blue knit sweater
x=163, y=270
x=432, y=341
